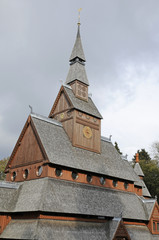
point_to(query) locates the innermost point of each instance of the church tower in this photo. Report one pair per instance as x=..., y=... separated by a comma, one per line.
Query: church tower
x=74, y=107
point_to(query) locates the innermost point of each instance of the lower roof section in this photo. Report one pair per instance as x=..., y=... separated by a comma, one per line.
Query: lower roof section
x=55, y=229
x=138, y=232
x=60, y=196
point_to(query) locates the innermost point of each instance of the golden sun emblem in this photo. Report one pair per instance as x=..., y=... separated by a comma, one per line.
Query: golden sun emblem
x=87, y=132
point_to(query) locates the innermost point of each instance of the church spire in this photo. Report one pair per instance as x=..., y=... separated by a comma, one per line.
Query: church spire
x=77, y=51
x=77, y=62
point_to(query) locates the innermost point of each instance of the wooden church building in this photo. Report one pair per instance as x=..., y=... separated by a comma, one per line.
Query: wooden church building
x=65, y=181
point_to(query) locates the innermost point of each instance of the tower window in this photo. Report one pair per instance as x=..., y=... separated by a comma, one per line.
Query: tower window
x=115, y=183
x=154, y=226
x=74, y=175
x=39, y=171
x=158, y=227
x=13, y=176
x=58, y=172
x=126, y=185
x=102, y=180
x=25, y=173
x=89, y=178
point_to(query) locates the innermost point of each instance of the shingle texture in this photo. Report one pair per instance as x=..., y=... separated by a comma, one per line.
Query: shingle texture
x=54, y=195
x=138, y=170
x=60, y=151
x=78, y=49
x=77, y=72
x=54, y=229
x=140, y=233
x=145, y=191
x=87, y=107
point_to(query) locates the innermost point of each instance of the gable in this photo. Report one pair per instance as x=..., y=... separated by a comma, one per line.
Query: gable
x=121, y=233
x=155, y=213
x=154, y=220
x=62, y=103
x=28, y=148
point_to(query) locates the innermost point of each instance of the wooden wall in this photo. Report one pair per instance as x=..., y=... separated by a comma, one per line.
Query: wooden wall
x=79, y=139
x=28, y=150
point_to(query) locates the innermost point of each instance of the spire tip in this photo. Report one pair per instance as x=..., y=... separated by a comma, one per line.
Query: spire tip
x=79, y=10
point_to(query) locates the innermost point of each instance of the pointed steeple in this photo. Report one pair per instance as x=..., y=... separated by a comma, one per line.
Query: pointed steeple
x=77, y=51
x=77, y=62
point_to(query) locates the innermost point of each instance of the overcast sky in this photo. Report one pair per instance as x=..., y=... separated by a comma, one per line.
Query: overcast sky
x=121, y=44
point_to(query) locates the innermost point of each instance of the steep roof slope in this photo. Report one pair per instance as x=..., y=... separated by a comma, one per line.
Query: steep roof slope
x=60, y=151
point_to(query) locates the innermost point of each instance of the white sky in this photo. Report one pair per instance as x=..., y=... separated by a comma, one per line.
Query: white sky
x=121, y=44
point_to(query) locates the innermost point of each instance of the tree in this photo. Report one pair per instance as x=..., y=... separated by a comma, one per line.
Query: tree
x=117, y=148
x=155, y=151
x=143, y=155
x=3, y=164
x=151, y=179
x=150, y=169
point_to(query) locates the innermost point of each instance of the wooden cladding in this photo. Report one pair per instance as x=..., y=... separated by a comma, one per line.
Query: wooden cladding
x=80, y=139
x=28, y=150
x=83, y=178
x=62, y=104
x=121, y=233
x=4, y=220
x=80, y=90
x=154, y=221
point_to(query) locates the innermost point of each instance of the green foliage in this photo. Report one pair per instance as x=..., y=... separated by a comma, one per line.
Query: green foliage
x=143, y=155
x=117, y=148
x=150, y=169
x=3, y=164
x=151, y=179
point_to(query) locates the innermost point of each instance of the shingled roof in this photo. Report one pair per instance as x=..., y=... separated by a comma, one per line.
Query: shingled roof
x=86, y=107
x=55, y=230
x=60, y=151
x=77, y=72
x=138, y=170
x=78, y=49
x=138, y=232
x=60, y=196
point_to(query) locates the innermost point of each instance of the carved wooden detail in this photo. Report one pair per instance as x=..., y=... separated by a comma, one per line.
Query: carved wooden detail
x=62, y=104
x=80, y=90
x=77, y=124
x=86, y=132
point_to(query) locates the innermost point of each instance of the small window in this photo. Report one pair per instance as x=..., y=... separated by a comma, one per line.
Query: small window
x=58, y=172
x=39, y=171
x=126, y=185
x=102, y=180
x=25, y=173
x=74, y=175
x=89, y=178
x=13, y=176
x=154, y=226
x=115, y=183
x=158, y=227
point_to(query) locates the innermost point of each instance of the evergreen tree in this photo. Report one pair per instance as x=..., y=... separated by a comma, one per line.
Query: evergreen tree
x=117, y=148
x=143, y=155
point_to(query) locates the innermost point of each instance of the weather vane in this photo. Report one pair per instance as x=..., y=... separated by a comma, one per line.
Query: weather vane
x=79, y=10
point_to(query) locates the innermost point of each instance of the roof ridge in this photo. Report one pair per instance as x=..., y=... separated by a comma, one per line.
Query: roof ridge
x=46, y=119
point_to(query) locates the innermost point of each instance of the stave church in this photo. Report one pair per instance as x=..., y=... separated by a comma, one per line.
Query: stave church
x=66, y=181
